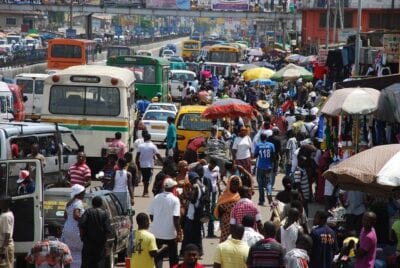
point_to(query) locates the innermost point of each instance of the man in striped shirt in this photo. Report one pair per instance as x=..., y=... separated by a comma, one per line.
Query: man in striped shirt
x=80, y=173
x=267, y=252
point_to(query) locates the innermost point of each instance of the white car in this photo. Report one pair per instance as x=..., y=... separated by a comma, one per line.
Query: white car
x=144, y=53
x=162, y=106
x=155, y=122
x=166, y=54
x=177, y=77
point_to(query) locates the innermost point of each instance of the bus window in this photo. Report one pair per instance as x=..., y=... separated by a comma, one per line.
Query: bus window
x=144, y=73
x=66, y=51
x=99, y=101
x=25, y=85
x=39, y=85
x=194, y=121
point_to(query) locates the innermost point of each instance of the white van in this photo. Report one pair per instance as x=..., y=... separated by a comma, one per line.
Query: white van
x=6, y=103
x=177, y=77
x=32, y=87
x=57, y=144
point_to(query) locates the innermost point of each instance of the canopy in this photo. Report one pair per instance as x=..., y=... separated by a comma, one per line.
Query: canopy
x=291, y=72
x=389, y=104
x=258, y=73
x=374, y=171
x=356, y=101
x=228, y=107
x=263, y=82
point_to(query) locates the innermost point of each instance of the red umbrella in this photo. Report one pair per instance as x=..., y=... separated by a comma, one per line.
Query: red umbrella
x=206, y=74
x=228, y=107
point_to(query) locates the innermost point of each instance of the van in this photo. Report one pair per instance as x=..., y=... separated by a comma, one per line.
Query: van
x=177, y=77
x=57, y=144
x=190, y=124
x=11, y=103
x=32, y=88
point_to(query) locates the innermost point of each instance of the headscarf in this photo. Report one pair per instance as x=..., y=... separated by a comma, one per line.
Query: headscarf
x=227, y=196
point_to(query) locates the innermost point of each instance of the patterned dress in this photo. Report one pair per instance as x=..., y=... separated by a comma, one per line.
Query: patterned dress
x=224, y=220
x=71, y=235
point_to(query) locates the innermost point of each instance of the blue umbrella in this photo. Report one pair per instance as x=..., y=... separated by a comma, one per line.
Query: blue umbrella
x=263, y=82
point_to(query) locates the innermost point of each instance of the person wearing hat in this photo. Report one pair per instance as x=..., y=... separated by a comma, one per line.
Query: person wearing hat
x=25, y=184
x=72, y=214
x=164, y=214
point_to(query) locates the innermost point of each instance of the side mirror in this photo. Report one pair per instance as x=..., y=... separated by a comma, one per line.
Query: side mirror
x=24, y=98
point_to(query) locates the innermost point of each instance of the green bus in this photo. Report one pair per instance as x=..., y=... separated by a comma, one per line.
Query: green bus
x=151, y=74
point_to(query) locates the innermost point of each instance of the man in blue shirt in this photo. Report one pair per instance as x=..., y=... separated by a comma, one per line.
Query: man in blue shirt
x=142, y=104
x=264, y=151
x=171, y=137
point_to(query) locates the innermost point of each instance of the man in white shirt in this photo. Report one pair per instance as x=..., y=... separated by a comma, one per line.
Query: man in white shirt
x=250, y=236
x=241, y=149
x=211, y=171
x=6, y=232
x=164, y=213
x=145, y=161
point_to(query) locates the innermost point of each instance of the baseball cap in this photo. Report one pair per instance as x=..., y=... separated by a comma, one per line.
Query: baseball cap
x=169, y=183
x=23, y=175
x=76, y=189
x=100, y=175
x=269, y=133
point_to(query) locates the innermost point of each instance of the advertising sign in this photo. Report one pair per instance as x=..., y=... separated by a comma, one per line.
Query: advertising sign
x=230, y=5
x=168, y=4
x=391, y=47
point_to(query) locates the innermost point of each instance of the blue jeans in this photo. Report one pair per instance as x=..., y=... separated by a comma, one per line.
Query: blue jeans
x=264, y=185
x=210, y=229
x=288, y=169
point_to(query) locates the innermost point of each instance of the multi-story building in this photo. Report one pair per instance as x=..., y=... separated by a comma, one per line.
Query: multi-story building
x=376, y=15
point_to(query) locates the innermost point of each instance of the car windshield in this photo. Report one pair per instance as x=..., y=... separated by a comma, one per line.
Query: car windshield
x=54, y=205
x=194, y=121
x=162, y=107
x=157, y=116
x=183, y=77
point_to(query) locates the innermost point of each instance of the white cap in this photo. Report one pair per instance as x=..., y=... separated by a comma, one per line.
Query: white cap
x=312, y=94
x=76, y=189
x=23, y=175
x=314, y=111
x=100, y=175
x=269, y=133
x=169, y=183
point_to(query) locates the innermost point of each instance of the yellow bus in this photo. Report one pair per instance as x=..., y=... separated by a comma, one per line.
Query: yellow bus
x=95, y=102
x=224, y=54
x=190, y=50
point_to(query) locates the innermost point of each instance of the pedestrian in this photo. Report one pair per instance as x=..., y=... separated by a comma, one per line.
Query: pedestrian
x=36, y=155
x=225, y=203
x=250, y=236
x=230, y=169
x=117, y=146
x=6, y=233
x=191, y=255
x=145, y=247
x=264, y=152
x=95, y=228
x=193, y=146
x=324, y=242
x=131, y=168
x=123, y=187
x=355, y=209
x=289, y=232
x=366, y=251
x=211, y=172
x=171, y=137
x=291, y=147
x=241, y=149
x=233, y=252
x=267, y=252
x=299, y=257
x=25, y=184
x=50, y=252
x=72, y=214
x=195, y=207
x=165, y=213
x=285, y=195
x=145, y=161
x=275, y=139
x=79, y=173
x=245, y=207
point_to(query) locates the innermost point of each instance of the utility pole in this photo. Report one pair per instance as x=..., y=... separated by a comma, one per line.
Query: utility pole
x=70, y=14
x=358, y=41
x=334, y=22
x=328, y=18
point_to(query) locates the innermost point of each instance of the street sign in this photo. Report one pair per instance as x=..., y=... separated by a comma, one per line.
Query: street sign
x=70, y=33
x=118, y=30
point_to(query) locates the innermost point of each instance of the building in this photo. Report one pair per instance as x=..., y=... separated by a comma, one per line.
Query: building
x=14, y=20
x=100, y=22
x=376, y=15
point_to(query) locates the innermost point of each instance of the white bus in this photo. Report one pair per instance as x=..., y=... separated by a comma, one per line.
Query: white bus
x=32, y=87
x=95, y=102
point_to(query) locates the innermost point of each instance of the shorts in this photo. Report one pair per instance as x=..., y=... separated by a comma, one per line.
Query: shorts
x=147, y=173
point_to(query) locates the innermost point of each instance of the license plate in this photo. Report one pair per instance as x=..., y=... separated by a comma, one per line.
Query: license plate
x=157, y=127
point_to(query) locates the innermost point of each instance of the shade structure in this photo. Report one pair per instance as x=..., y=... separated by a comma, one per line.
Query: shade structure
x=294, y=58
x=354, y=101
x=246, y=67
x=307, y=60
x=292, y=71
x=258, y=73
x=264, y=82
x=389, y=104
x=257, y=52
x=375, y=171
x=229, y=107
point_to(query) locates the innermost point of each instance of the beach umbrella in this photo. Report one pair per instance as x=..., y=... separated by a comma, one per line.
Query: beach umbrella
x=263, y=82
x=353, y=101
x=258, y=73
x=294, y=58
x=228, y=107
x=292, y=72
x=246, y=67
x=375, y=171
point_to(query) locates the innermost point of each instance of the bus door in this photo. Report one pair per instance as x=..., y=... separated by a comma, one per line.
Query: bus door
x=32, y=88
x=26, y=202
